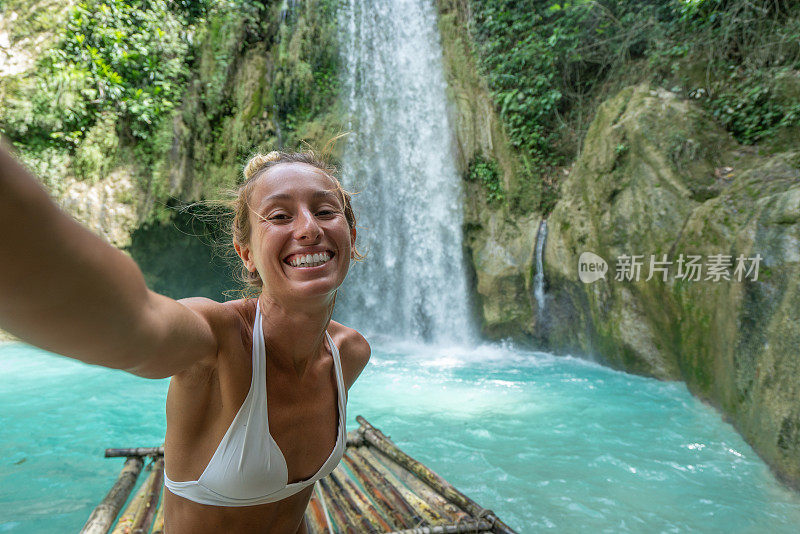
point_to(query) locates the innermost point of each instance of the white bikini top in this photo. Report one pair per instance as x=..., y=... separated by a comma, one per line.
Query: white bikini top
x=248, y=467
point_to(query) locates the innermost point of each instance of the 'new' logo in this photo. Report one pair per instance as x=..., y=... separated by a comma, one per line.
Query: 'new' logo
x=591, y=267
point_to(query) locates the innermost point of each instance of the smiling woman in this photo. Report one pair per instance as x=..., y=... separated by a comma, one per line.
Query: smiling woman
x=256, y=406
x=247, y=202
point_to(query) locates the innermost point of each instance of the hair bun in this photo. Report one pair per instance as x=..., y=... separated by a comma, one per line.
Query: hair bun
x=259, y=161
x=256, y=163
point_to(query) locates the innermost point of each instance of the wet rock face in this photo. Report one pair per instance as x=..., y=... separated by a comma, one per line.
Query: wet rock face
x=502, y=255
x=107, y=207
x=656, y=177
x=499, y=245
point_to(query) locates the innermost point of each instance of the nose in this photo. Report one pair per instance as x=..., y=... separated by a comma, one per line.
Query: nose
x=307, y=227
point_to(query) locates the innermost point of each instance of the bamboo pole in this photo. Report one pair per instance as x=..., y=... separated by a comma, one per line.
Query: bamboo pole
x=354, y=438
x=473, y=527
x=315, y=516
x=145, y=519
x=104, y=514
x=311, y=527
x=126, y=519
x=338, y=516
x=158, y=523
x=135, y=451
x=428, y=494
x=330, y=528
x=423, y=508
x=353, y=505
x=377, y=439
x=383, y=493
x=362, y=501
x=382, y=502
x=350, y=511
x=137, y=506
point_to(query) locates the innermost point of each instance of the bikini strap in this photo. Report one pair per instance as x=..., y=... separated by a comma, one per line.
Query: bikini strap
x=337, y=363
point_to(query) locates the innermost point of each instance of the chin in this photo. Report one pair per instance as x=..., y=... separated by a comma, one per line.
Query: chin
x=314, y=288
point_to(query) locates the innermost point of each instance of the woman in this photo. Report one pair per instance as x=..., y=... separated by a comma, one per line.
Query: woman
x=256, y=404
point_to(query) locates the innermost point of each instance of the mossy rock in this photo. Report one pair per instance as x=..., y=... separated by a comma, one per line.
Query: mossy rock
x=683, y=187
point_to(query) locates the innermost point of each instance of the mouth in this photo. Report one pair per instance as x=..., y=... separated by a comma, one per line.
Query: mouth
x=306, y=261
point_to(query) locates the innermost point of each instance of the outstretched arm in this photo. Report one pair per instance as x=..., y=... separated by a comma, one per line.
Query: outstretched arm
x=64, y=289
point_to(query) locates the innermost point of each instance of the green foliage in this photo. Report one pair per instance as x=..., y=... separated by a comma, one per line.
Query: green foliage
x=548, y=63
x=191, y=86
x=130, y=56
x=32, y=18
x=266, y=78
x=91, y=161
x=117, y=69
x=541, y=59
x=748, y=47
x=485, y=172
x=751, y=109
x=306, y=79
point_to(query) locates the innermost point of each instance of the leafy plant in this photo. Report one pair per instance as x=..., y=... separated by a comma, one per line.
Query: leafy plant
x=306, y=78
x=549, y=63
x=543, y=58
x=485, y=172
x=122, y=57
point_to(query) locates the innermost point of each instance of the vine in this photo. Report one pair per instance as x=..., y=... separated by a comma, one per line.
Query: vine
x=548, y=64
x=485, y=172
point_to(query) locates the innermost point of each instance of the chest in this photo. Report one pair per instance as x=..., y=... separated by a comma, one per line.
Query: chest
x=303, y=418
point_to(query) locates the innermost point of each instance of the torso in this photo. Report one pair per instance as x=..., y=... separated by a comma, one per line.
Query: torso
x=303, y=421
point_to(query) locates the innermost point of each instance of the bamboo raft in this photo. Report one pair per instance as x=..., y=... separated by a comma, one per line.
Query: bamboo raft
x=376, y=488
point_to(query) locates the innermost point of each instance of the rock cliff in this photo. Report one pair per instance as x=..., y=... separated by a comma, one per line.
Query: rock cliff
x=499, y=238
x=657, y=177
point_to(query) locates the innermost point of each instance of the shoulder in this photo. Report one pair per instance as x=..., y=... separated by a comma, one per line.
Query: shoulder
x=220, y=316
x=227, y=322
x=354, y=351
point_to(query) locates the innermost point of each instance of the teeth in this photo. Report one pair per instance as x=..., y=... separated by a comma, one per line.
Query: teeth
x=310, y=260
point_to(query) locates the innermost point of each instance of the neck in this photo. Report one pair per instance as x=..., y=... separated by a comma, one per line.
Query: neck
x=294, y=333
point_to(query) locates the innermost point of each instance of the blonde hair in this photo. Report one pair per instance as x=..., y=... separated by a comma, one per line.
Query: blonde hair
x=256, y=167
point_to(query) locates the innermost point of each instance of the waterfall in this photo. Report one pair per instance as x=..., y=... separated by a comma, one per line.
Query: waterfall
x=277, y=123
x=399, y=160
x=538, y=278
x=287, y=9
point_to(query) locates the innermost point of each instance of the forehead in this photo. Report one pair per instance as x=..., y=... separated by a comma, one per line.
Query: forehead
x=292, y=180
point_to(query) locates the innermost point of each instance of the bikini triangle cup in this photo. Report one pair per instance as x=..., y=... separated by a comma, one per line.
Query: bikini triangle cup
x=247, y=469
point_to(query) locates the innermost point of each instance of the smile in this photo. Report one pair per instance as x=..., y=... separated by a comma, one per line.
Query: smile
x=309, y=260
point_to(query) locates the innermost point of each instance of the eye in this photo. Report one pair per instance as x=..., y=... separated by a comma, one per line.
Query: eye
x=326, y=213
x=279, y=217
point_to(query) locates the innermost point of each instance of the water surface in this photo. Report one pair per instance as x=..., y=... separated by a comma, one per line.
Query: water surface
x=546, y=442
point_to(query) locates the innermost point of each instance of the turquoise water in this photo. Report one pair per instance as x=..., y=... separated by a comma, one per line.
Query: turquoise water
x=546, y=442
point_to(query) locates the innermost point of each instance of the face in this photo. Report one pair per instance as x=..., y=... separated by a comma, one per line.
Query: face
x=300, y=242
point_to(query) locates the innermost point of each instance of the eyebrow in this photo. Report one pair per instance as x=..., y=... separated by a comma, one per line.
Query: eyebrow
x=315, y=195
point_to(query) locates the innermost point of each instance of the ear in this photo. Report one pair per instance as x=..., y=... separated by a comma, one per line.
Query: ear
x=352, y=243
x=246, y=255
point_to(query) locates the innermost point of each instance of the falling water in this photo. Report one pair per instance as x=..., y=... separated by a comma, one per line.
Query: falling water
x=400, y=161
x=538, y=278
x=278, y=126
x=287, y=9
